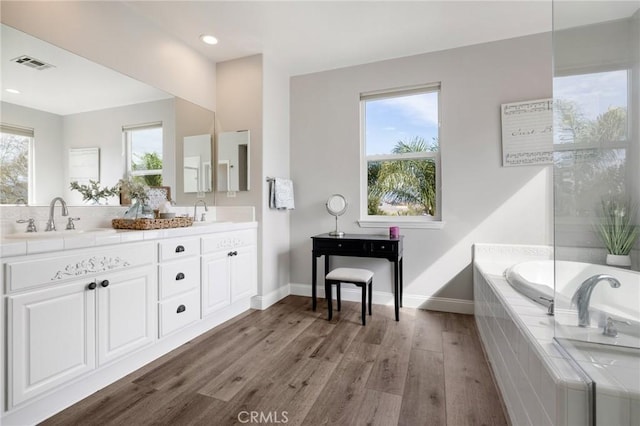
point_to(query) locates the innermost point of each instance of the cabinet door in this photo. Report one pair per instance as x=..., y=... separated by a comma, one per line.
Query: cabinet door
x=126, y=312
x=216, y=293
x=243, y=274
x=51, y=338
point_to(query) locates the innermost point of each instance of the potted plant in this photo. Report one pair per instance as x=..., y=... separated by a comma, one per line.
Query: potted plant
x=137, y=191
x=93, y=192
x=618, y=230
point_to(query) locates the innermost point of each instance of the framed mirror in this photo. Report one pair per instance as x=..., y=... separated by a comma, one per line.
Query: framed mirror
x=232, y=171
x=336, y=206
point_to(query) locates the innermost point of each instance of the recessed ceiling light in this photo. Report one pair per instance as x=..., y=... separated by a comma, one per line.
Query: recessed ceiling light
x=14, y=91
x=209, y=39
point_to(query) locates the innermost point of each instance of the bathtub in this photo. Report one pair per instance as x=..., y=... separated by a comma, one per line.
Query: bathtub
x=535, y=279
x=541, y=382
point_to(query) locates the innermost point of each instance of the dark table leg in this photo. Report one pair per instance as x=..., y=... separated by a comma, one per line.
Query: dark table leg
x=396, y=292
x=401, y=280
x=314, y=273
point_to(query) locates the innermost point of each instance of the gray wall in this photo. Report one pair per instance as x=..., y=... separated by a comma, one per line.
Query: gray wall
x=275, y=224
x=253, y=94
x=481, y=200
x=103, y=129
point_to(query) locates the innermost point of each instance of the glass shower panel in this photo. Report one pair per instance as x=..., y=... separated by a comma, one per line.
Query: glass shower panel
x=596, y=171
x=596, y=92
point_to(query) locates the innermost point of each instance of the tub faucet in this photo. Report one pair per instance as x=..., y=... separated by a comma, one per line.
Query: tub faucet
x=195, y=207
x=582, y=296
x=51, y=225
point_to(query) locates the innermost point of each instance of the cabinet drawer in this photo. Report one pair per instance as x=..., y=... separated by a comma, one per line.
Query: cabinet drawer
x=384, y=247
x=178, y=248
x=339, y=246
x=179, y=276
x=42, y=270
x=179, y=311
x=228, y=240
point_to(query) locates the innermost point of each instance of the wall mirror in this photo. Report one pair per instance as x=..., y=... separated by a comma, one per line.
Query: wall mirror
x=68, y=103
x=197, y=164
x=232, y=171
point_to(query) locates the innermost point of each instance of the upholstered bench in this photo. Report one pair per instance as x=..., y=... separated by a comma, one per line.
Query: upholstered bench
x=362, y=278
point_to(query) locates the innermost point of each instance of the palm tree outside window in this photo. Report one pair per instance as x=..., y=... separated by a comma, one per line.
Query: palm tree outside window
x=401, y=155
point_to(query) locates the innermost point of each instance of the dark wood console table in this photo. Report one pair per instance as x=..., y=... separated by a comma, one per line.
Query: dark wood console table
x=359, y=245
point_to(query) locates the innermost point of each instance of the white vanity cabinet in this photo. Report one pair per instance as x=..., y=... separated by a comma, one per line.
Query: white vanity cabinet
x=78, y=319
x=71, y=314
x=51, y=338
x=178, y=284
x=126, y=312
x=228, y=268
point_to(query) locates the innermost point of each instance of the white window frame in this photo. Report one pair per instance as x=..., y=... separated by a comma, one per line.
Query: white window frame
x=126, y=137
x=28, y=133
x=379, y=221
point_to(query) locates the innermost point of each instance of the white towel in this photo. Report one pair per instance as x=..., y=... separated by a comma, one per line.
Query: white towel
x=281, y=194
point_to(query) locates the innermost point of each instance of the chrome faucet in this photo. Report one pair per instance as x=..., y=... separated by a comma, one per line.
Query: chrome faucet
x=582, y=296
x=51, y=225
x=195, y=207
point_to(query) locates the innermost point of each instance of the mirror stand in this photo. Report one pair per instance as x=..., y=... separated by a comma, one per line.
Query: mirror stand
x=336, y=233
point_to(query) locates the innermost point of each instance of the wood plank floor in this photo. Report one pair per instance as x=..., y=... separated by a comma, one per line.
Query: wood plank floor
x=289, y=365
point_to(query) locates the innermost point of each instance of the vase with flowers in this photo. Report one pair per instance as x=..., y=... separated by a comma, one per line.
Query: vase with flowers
x=617, y=230
x=137, y=191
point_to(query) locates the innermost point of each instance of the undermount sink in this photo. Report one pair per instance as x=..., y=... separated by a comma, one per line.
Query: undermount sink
x=59, y=234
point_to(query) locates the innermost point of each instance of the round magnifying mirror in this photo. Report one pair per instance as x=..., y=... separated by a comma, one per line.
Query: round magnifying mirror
x=336, y=206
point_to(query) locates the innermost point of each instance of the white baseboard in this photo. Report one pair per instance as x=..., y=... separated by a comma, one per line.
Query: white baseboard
x=263, y=302
x=444, y=304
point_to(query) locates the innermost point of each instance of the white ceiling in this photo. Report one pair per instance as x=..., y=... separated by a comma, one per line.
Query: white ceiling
x=308, y=36
x=311, y=36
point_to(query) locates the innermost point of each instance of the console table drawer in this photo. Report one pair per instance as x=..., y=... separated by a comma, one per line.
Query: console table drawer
x=340, y=245
x=384, y=247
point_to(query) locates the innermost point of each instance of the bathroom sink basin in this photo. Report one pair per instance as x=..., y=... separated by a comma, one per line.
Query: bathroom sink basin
x=59, y=234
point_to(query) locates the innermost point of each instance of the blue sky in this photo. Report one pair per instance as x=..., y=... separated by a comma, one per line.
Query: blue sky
x=402, y=118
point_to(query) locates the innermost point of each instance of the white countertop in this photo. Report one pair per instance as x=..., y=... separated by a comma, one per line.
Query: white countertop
x=19, y=247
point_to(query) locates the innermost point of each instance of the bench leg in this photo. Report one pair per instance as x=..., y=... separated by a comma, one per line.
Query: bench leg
x=370, y=295
x=364, y=304
x=338, y=294
x=327, y=291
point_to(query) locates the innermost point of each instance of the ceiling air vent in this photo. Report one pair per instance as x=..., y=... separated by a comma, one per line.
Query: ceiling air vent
x=31, y=62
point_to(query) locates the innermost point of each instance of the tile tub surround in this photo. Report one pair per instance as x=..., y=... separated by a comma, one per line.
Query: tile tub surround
x=538, y=385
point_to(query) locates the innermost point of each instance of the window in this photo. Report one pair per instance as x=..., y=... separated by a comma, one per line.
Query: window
x=16, y=145
x=590, y=140
x=144, y=152
x=400, y=157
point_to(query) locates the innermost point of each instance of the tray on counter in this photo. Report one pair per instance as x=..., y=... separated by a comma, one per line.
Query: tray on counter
x=144, y=224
